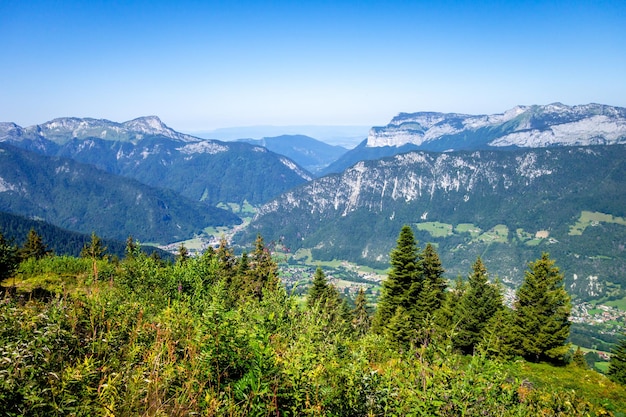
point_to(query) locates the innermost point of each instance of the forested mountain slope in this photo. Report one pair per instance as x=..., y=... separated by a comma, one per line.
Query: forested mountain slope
x=507, y=206
x=83, y=198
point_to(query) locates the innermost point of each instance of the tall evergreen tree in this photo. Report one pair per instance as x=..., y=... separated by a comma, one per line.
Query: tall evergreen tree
x=433, y=286
x=402, y=286
x=479, y=304
x=361, y=320
x=183, y=254
x=263, y=271
x=319, y=288
x=617, y=365
x=33, y=247
x=542, y=310
x=8, y=258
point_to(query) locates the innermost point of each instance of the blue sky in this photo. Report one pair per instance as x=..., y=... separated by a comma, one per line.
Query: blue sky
x=201, y=65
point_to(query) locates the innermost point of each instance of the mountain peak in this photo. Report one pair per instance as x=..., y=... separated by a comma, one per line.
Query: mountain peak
x=554, y=124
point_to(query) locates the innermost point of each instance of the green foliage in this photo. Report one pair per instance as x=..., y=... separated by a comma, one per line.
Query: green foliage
x=617, y=365
x=478, y=305
x=183, y=339
x=542, y=309
x=8, y=258
x=402, y=286
x=33, y=247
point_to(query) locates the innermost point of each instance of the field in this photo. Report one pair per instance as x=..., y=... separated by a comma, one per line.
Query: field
x=588, y=218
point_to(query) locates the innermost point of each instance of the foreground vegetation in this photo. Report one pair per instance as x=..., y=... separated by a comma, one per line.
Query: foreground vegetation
x=218, y=335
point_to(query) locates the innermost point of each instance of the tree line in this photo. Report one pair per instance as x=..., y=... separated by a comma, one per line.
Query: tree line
x=217, y=334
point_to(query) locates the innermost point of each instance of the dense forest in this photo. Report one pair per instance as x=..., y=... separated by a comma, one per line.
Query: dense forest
x=218, y=334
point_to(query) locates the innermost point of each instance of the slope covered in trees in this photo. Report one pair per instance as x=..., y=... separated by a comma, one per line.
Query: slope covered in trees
x=218, y=335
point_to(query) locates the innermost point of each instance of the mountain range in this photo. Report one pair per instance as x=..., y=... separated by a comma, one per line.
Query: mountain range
x=506, y=206
x=147, y=150
x=505, y=186
x=521, y=127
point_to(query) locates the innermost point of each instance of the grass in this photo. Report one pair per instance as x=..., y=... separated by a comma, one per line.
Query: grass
x=621, y=304
x=589, y=384
x=470, y=228
x=499, y=233
x=589, y=218
x=436, y=229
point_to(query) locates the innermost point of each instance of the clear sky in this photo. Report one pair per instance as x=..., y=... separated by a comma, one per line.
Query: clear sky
x=202, y=65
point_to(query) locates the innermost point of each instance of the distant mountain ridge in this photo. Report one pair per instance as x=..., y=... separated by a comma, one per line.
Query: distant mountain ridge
x=533, y=126
x=147, y=150
x=310, y=153
x=64, y=129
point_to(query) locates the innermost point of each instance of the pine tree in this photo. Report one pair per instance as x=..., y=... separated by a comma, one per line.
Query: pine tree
x=263, y=271
x=433, y=273
x=431, y=294
x=183, y=254
x=8, y=258
x=33, y=247
x=542, y=310
x=402, y=286
x=617, y=365
x=131, y=247
x=479, y=304
x=318, y=291
x=578, y=360
x=361, y=320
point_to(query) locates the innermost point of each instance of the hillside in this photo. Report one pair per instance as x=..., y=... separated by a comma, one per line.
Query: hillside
x=85, y=199
x=147, y=150
x=62, y=242
x=506, y=206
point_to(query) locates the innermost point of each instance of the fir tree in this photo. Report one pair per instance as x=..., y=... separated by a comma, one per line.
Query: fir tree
x=402, y=286
x=263, y=271
x=433, y=274
x=361, y=320
x=183, y=254
x=131, y=247
x=542, y=310
x=33, y=247
x=578, y=360
x=8, y=258
x=479, y=304
x=318, y=291
x=617, y=365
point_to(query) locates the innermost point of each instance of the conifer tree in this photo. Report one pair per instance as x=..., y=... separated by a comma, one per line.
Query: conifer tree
x=578, y=360
x=183, y=254
x=8, y=257
x=402, y=286
x=131, y=247
x=319, y=288
x=433, y=286
x=542, y=310
x=361, y=320
x=33, y=247
x=479, y=304
x=94, y=250
x=617, y=365
x=433, y=273
x=263, y=271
